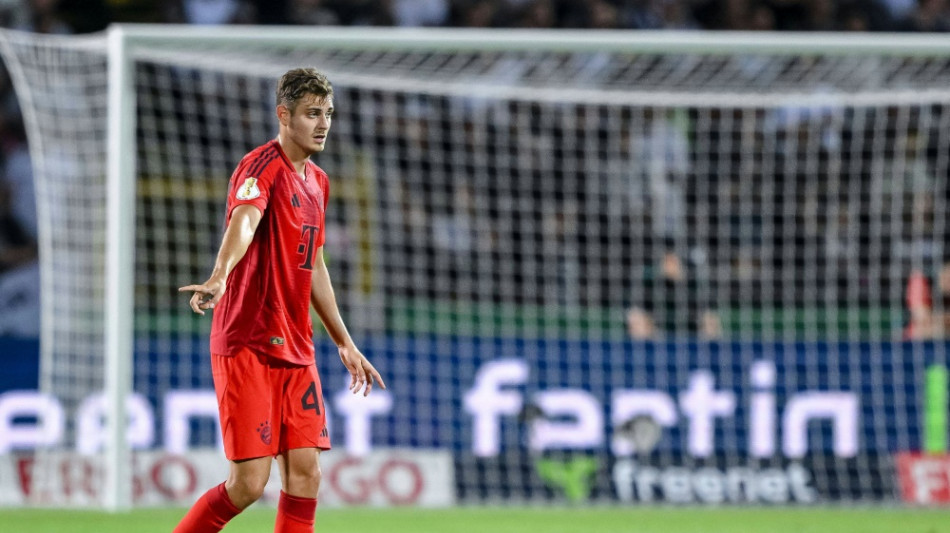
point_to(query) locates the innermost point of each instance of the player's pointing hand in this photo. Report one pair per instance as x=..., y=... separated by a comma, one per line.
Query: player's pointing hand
x=205, y=295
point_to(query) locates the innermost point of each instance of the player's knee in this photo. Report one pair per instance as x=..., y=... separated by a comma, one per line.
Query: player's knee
x=305, y=479
x=245, y=490
x=311, y=477
x=317, y=476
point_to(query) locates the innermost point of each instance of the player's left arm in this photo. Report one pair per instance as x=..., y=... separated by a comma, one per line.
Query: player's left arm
x=323, y=300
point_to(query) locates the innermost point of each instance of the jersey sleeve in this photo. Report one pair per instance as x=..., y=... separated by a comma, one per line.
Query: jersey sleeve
x=324, y=183
x=252, y=181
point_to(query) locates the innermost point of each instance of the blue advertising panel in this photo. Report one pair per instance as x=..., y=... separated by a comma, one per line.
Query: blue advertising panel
x=821, y=419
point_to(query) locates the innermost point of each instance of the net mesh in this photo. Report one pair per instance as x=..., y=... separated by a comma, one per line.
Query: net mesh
x=703, y=239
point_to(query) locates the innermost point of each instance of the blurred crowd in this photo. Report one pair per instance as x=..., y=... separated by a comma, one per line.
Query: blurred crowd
x=801, y=15
x=19, y=307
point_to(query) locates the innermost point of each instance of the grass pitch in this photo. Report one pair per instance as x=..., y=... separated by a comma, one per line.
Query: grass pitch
x=511, y=520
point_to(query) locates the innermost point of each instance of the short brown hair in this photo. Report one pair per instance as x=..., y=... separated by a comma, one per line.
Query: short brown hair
x=299, y=82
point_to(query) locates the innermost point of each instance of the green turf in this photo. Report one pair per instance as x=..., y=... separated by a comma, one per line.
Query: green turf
x=512, y=520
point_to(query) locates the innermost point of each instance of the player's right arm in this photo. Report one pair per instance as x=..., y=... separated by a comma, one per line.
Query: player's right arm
x=237, y=238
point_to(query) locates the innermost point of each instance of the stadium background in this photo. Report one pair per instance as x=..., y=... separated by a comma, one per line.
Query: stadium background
x=822, y=348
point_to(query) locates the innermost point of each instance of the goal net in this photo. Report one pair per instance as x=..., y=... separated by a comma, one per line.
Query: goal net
x=675, y=267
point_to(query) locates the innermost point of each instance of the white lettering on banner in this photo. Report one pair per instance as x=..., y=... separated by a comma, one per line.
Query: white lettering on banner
x=92, y=424
x=762, y=410
x=840, y=407
x=487, y=402
x=359, y=410
x=46, y=431
x=573, y=419
x=701, y=404
x=45, y=420
x=382, y=478
x=682, y=485
x=573, y=416
x=180, y=408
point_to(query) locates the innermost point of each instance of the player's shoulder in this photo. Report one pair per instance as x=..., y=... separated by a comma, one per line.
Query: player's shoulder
x=261, y=159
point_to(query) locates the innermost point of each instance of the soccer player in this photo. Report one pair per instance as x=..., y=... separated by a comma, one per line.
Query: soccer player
x=268, y=272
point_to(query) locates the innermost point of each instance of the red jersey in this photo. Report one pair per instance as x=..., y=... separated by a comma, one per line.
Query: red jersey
x=266, y=306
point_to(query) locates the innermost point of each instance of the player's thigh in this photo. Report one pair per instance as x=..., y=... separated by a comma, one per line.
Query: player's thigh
x=300, y=471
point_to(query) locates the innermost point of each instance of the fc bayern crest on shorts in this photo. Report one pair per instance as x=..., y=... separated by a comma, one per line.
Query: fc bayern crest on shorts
x=264, y=430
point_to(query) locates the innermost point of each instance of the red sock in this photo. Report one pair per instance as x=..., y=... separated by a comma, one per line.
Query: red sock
x=209, y=514
x=295, y=514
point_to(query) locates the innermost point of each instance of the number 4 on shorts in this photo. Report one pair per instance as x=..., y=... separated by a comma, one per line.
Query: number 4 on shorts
x=309, y=399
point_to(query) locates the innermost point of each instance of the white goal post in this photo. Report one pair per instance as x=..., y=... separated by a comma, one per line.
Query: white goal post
x=512, y=160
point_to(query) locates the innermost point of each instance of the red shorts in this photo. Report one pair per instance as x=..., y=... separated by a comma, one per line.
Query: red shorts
x=268, y=406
